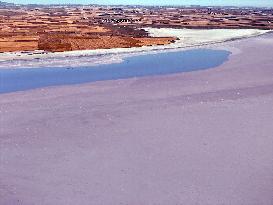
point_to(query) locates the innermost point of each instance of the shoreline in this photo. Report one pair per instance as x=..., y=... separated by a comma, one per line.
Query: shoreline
x=131, y=67
x=117, y=55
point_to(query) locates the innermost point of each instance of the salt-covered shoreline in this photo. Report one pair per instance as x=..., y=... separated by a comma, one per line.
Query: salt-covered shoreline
x=203, y=137
x=188, y=38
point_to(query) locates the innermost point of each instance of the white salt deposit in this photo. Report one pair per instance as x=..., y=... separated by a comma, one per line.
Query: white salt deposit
x=188, y=38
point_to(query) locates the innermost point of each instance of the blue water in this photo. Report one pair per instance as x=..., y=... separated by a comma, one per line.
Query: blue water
x=137, y=66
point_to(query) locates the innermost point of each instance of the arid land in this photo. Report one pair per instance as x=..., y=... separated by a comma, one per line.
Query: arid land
x=67, y=28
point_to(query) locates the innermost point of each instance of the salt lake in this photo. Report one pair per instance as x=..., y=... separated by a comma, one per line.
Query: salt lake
x=135, y=66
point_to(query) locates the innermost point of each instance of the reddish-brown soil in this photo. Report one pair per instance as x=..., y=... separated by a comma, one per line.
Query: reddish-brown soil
x=55, y=28
x=68, y=43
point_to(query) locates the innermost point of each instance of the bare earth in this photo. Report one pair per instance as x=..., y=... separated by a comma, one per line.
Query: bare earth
x=203, y=138
x=73, y=27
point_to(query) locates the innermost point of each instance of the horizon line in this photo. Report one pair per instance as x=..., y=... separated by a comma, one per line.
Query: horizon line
x=142, y=5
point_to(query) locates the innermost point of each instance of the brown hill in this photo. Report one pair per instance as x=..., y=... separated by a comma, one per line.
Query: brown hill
x=57, y=43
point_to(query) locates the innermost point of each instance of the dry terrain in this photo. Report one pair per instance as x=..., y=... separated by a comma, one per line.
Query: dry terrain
x=66, y=28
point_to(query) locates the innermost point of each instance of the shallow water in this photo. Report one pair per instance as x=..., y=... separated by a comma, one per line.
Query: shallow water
x=138, y=66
